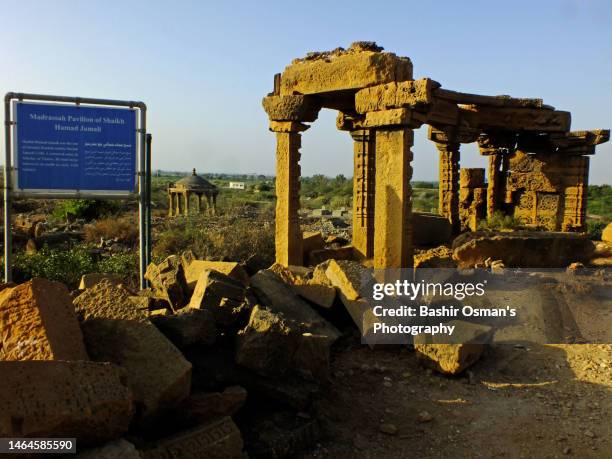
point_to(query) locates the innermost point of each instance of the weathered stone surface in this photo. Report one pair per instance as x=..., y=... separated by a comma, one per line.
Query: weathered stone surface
x=194, y=269
x=291, y=108
x=536, y=249
x=606, y=235
x=519, y=119
x=168, y=281
x=217, y=439
x=465, y=350
x=91, y=279
x=403, y=94
x=348, y=277
x=317, y=257
x=37, y=322
x=338, y=70
x=115, y=331
x=205, y=406
x=86, y=400
x=284, y=334
x=319, y=294
x=187, y=326
x=439, y=257
x=222, y=295
x=430, y=229
x=118, y=449
x=389, y=118
x=312, y=240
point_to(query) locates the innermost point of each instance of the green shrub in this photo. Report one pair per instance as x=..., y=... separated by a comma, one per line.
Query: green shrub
x=499, y=221
x=595, y=228
x=87, y=209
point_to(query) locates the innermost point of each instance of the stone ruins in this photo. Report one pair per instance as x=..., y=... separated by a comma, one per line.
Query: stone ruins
x=537, y=172
x=180, y=193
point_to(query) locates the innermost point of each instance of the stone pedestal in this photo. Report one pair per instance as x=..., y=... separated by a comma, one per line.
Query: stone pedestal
x=393, y=206
x=363, y=192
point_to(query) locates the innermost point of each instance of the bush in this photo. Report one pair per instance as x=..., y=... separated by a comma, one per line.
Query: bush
x=500, y=221
x=68, y=265
x=125, y=230
x=84, y=208
x=595, y=228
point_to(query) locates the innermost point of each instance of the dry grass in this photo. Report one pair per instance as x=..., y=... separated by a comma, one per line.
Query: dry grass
x=123, y=229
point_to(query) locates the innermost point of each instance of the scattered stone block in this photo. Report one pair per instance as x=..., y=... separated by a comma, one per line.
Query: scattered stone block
x=526, y=249
x=116, y=331
x=217, y=439
x=222, y=295
x=38, y=322
x=194, y=269
x=312, y=240
x=430, y=229
x=118, y=449
x=319, y=294
x=452, y=355
x=606, y=234
x=284, y=334
x=91, y=279
x=86, y=400
x=348, y=277
x=168, y=281
x=188, y=326
x=205, y=406
x=341, y=253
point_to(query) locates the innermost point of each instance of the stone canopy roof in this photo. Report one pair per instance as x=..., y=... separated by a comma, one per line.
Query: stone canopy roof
x=194, y=182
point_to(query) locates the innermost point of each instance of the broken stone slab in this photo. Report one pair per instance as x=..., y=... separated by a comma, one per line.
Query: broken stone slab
x=218, y=369
x=349, y=277
x=118, y=449
x=351, y=69
x=606, y=235
x=217, y=439
x=523, y=249
x=168, y=281
x=204, y=406
x=194, y=269
x=85, y=400
x=38, y=322
x=222, y=295
x=116, y=331
x=284, y=334
x=312, y=240
x=317, y=257
x=91, y=279
x=453, y=354
x=319, y=294
x=430, y=229
x=187, y=326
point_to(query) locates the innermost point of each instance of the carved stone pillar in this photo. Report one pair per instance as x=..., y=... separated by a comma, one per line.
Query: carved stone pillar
x=288, y=232
x=448, y=192
x=187, y=196
x=199, y=202
x=392, y=201
x=575, y=194
x=495, y=178
x=170, y=204
x=363, y=192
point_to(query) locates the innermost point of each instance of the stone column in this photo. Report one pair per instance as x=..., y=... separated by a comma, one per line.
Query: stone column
x=575, y=193
x=494, y=183
x=448, y=192
x=392, y=201
x=170, y=204
x=187, y=196
x=179, y=204
x=199, y=196
x=363, y=192
x=288, y=232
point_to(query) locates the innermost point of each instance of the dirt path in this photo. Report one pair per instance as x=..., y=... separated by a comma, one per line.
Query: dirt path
x=517, y=402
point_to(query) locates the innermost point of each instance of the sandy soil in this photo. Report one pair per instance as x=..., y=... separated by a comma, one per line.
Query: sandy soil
x=516, y=402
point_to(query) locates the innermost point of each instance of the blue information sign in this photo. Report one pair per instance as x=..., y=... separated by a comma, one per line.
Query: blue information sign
x=79, y=148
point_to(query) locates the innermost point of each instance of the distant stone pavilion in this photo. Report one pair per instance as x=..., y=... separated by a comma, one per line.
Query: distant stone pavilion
x=180, y=195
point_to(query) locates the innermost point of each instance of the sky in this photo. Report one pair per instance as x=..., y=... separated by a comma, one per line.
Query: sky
x=203, y=67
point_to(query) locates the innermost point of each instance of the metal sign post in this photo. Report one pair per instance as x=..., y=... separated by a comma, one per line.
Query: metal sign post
x=75, y=147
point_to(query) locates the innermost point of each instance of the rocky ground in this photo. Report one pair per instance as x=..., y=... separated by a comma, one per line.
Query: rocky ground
x=517, y=402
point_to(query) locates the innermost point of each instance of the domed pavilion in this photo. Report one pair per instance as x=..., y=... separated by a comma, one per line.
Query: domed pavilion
x=180, y=195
